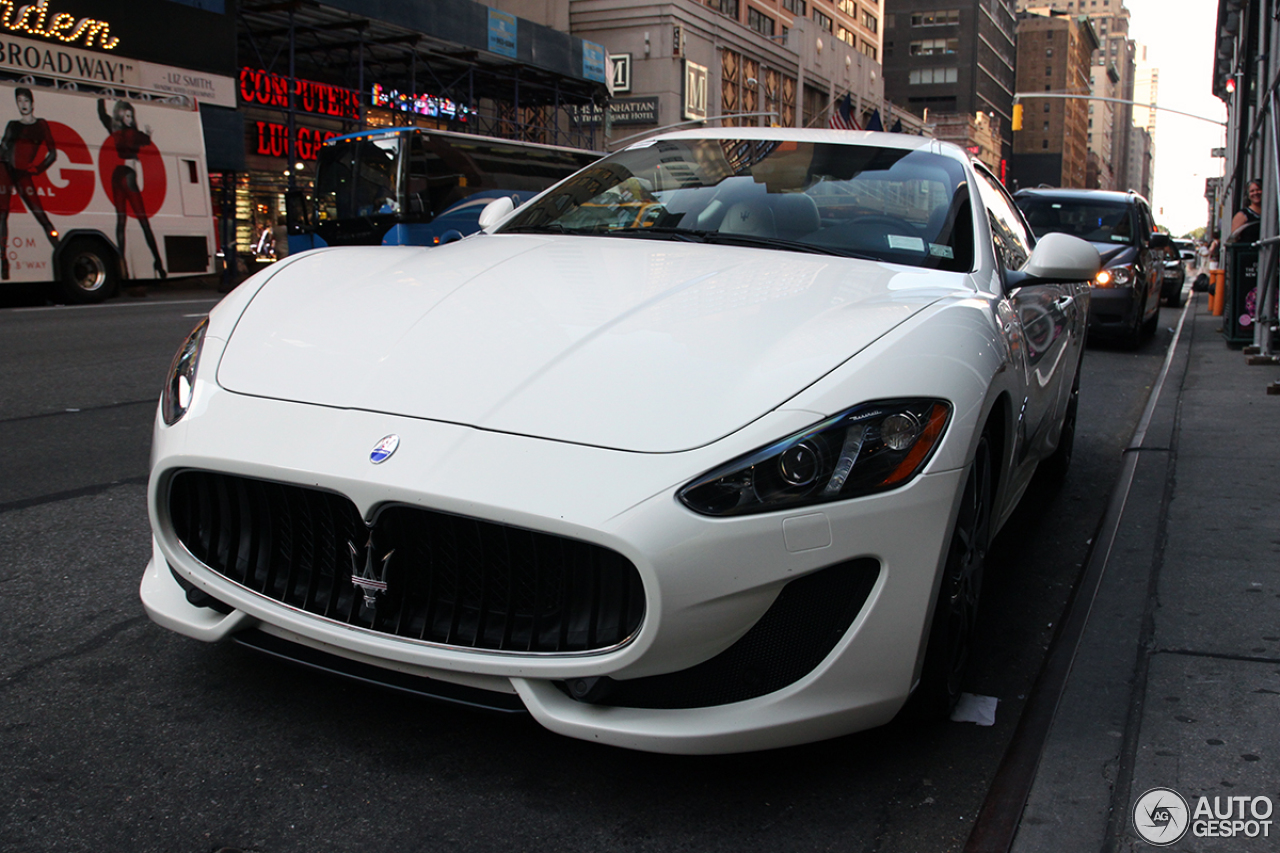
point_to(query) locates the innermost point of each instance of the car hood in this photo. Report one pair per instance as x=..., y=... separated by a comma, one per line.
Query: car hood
x=1113, y=255
x=633, y=344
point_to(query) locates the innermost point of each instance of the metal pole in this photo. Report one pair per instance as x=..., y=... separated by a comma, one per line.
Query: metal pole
x=360, y=78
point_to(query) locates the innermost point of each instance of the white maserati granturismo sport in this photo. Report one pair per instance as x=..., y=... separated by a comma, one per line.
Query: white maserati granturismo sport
x=699, y=451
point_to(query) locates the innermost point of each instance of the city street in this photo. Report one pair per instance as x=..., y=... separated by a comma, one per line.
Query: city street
x=120, y=735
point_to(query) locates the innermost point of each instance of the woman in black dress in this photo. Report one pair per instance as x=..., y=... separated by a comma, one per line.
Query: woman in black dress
x=128, y=141
x=20, y=156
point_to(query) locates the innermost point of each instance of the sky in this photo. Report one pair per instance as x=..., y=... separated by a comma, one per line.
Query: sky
x=1181, y=45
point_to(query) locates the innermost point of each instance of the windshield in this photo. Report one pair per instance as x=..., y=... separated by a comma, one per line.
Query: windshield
x=890, y=204
x=1097, y=222
x=358, y=177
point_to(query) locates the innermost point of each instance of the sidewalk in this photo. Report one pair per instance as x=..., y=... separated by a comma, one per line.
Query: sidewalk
x=1176, y=681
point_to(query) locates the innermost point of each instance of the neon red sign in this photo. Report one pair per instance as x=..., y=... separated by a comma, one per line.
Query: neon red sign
x=273, y=140
x=272, y=90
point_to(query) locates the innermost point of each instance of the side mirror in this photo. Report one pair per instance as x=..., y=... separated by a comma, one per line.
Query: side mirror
x=1061, y=257
x=1160, y=240
x=495, y=211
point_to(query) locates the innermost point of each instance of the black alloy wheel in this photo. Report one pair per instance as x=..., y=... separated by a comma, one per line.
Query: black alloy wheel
x=88, y=272
x=1054, y=468
x=955, y=617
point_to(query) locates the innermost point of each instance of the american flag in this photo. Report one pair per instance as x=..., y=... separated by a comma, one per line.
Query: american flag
x=842, y=115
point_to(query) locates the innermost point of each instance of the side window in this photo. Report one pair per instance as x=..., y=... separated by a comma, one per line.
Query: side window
x=1008, y=230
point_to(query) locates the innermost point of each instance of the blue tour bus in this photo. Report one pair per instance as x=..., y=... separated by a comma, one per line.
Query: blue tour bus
x=416, y=186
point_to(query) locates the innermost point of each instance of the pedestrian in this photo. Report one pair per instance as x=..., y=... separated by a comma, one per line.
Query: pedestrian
x=1249, y=214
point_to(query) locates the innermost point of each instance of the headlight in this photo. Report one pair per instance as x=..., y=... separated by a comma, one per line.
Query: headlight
x=1114, y=276
x=869, y=448
x=182, y=376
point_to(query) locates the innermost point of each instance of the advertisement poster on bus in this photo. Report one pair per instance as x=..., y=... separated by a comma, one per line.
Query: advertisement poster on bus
x=121, y=179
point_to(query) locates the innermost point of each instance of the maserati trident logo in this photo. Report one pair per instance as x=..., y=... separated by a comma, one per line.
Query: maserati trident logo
x=369, y=582
x=384, y=448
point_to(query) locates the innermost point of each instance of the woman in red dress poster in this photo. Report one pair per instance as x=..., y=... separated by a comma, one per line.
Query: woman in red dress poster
x=20, y=158
x=128, y=141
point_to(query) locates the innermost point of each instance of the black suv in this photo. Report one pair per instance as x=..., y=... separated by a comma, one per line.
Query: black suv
x=1125, y=303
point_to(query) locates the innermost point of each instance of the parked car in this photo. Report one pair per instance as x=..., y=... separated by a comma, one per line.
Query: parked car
x=1174, y=277
x=700, y=450
x=1127, y=291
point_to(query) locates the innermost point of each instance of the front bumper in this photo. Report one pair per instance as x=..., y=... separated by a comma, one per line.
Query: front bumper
x=1112, y=310
x=706, y=581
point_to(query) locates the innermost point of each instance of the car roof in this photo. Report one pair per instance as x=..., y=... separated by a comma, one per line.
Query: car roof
x=1065, y=193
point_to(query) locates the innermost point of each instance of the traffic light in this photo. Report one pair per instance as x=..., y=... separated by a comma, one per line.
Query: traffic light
x=1017, y=116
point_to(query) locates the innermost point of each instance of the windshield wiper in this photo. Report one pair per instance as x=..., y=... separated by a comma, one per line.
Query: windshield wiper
x=683, y=234
x=779, y=243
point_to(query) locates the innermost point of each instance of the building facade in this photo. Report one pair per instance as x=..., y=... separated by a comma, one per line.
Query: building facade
x=1113, y=76
x=1054, y=51
x=783, y=62
x=952, y=57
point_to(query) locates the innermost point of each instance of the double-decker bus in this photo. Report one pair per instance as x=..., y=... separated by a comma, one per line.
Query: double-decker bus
x=414, y=186
x=99, y=190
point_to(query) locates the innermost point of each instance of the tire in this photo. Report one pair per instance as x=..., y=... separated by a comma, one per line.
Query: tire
x=1175, y=300
x=1054, y=468
x=87, y=272
x=954, y=622
x=1148, y=328
x=1133, y=335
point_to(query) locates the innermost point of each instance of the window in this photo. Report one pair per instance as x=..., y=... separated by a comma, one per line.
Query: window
x=849, y=7
x=870, y=22
x=1047, y=106
x=1046, y=125
x=823, y=22
x=1048, y=51
x=935, y=19
x=1044, y=143
x=868, y=49
x=927, y=76
x=846, y=36
x=795, y=7
x=934, y=47
x=726, y=7
x=1008, y=229
x=760, y=22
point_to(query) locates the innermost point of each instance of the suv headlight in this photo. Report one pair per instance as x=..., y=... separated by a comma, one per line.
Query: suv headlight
x=180, y=382
x=1117, y=276
x=870, y=448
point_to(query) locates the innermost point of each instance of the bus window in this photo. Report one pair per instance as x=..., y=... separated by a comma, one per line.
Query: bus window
x=376, y=182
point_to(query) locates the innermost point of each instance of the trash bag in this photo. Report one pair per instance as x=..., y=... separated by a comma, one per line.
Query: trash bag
x=1201, y=284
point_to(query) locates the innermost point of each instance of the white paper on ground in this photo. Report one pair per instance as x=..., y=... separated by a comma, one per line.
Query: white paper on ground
x=975, y=709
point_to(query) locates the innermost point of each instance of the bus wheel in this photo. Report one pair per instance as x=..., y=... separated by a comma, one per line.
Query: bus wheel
x=88, y=272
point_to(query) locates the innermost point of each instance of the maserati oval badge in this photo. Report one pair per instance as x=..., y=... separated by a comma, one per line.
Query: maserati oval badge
x=383, y=449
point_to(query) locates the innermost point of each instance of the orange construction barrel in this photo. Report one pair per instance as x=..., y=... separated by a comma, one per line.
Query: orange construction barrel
x=1218, y=299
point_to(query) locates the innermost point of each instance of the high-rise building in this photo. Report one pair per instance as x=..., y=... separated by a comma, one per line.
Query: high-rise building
x=1055, y=51
x=952, y=56
x=1112, y=77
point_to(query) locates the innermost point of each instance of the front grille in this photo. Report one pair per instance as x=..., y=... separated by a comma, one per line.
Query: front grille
x=451, y=580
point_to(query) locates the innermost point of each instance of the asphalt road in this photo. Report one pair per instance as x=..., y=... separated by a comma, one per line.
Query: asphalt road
x=117, y=735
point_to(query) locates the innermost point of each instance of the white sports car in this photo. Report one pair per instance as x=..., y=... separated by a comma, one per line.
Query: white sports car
x=698, y=451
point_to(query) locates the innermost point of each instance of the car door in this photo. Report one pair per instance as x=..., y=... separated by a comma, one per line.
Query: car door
x=1048, y=322
x=1150, y=259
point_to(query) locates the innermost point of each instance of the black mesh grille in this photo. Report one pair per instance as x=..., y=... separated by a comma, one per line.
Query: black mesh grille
x=451, y=580
x=798, y=630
